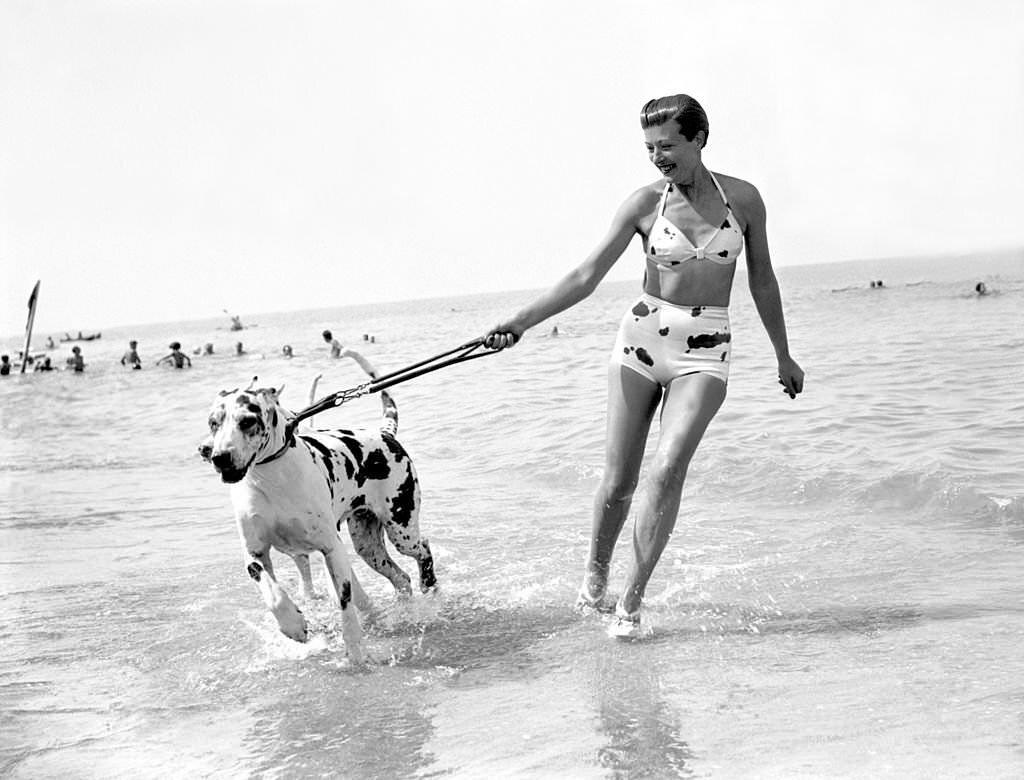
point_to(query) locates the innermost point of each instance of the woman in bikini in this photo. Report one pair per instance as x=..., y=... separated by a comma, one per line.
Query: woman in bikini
x=674, y=342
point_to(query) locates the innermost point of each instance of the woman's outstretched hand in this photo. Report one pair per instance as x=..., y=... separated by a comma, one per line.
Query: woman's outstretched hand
x=502, y=335
x=791, y=377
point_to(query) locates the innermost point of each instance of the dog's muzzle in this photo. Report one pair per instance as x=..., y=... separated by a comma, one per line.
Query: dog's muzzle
x=224, y=464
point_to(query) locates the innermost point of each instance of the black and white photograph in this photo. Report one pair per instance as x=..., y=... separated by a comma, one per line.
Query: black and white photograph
x=537, y=389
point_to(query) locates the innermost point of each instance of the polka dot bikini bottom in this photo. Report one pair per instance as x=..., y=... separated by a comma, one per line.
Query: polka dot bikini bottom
x=663, y=340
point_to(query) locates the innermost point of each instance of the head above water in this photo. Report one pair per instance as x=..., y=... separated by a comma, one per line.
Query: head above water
x=684, y=110
x=327, y=335
x=175, y=345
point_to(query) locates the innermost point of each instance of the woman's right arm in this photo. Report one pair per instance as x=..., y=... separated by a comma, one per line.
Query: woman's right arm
x=578, y=283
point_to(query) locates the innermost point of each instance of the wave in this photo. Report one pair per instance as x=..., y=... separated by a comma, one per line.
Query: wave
x=863, y=484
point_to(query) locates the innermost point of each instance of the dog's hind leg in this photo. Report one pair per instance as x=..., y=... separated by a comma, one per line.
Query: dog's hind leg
x=302, y=564
x=342, y=578
x=289, y=617
x=368, y=539
x=416, y=547
x=404, y=533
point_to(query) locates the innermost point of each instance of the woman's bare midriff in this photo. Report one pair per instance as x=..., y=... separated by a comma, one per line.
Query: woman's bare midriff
x=703, y=284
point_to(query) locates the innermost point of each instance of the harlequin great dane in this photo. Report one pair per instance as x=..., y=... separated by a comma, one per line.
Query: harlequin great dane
x=293, y=490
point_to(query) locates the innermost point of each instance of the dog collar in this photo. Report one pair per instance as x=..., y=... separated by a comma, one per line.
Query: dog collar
x=289, y=441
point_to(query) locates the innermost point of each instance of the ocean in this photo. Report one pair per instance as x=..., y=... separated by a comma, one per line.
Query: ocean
x=843, y=595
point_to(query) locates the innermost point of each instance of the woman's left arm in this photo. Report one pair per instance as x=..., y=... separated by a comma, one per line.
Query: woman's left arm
x=764, y=288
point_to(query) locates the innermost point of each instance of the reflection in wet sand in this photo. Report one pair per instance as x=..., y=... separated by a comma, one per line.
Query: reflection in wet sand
x=642, y=731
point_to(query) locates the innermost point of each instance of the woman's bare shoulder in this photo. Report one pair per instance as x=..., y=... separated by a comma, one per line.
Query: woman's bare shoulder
x=743, y=197
x=643, y=200
x=738, y=190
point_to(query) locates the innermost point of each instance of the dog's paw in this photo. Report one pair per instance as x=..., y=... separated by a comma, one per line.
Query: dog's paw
x=296, y=631
x=289, y=618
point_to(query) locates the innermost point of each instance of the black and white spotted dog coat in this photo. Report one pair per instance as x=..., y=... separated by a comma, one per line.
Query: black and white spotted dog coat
x=293, y=491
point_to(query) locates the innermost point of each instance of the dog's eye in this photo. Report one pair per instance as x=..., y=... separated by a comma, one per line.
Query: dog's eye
x=246, y=423
x=214, y=425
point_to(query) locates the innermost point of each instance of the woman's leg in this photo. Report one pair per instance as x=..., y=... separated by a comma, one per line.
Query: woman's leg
x=690, y=404
x=632, y=399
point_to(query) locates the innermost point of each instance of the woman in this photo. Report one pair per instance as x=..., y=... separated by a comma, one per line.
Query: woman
x=673, y=343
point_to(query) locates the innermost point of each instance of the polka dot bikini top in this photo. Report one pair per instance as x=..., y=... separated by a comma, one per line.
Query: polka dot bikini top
x=668, y=246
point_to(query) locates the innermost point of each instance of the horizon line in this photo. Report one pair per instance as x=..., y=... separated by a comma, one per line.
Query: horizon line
x=1007, y=251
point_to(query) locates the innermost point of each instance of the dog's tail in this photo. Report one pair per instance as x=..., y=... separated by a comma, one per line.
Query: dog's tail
x=390, y=410
x=312, y=396
x=390, y=425
x=312, y=389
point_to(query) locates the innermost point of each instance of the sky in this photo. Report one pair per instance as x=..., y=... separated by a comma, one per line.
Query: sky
x=173, y=159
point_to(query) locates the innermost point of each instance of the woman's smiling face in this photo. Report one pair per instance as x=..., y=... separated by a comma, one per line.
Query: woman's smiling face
x=671, y=153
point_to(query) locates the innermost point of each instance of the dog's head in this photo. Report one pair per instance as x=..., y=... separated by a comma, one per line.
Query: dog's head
x=245, y=425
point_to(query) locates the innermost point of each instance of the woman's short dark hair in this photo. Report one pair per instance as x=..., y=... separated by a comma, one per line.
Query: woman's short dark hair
x=682, y=108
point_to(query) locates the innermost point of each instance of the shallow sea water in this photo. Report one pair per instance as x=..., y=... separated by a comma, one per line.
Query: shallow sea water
x=842, y=596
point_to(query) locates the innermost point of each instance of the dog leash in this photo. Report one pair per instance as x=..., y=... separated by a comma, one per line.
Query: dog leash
x=462, y=353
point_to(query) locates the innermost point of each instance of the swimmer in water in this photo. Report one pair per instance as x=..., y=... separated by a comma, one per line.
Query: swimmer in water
x=176, y=358
x=131, y=357
x=335, y=344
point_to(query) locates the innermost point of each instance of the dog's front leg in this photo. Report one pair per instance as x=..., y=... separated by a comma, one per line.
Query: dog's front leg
x=359, y=597
x=302, y=564
x=289, y=617
x=345, y=586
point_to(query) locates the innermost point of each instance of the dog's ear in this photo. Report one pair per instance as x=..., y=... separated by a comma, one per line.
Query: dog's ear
x=224, y=393
x=252, y=384
x=278, y=391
